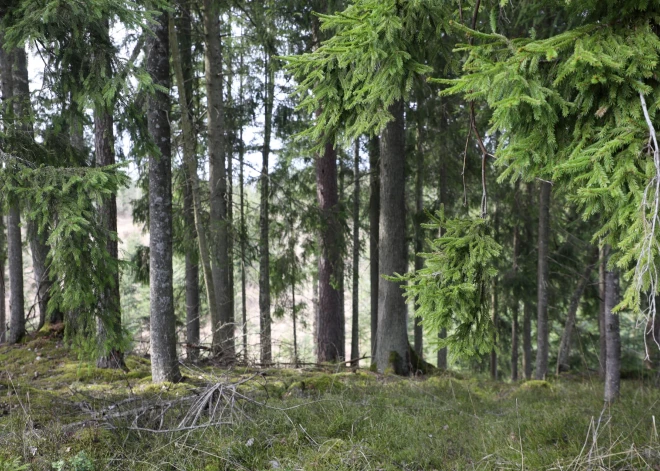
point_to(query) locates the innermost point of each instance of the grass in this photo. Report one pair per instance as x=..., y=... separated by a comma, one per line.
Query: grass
x=318, y=420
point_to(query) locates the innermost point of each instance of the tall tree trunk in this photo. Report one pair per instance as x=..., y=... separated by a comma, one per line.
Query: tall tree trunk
x=443, y=197
x=222, y=326
x=542, y=327
x=109, y=331
x=264, y=218
x=192, y=182
x=164, y=362
x=527, y=339
x=292, y=254
x=602, y=270
x=243, y=236
x=374, y=229
x=184, y=28
x=341, y=268
x=6, y=88
x=419, y=233
x=613, y=364
x=516, y=303
x=496, y=321
x=3, y=260
x=329, y=330
x=565, y=344
x=392, y=349
x=355, y=326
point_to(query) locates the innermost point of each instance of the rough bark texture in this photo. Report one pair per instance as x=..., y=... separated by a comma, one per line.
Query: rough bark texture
x=374, y=228
x=164, y=363
x=542, y=328
x=243, y=236
x=565, y=344
x=329, y=329
x=527, y=339
x=184, y=30
x=264, y=222
x=602, y=269
x=613, y=368
x=15, y=255
x=223, y=328
x=355, y=330
x=341, y=267
x=392, y=342
x=419, y=234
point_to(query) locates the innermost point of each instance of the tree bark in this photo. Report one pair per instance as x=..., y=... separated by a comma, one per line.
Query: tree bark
x=264, y=218
x=527, y=339
x=192, y=182
x=516, y=303
x=542, y=327
x=419, y=234
x=392, y=342
x=164, y=362
x=613, y=365
x=443, y=197
x=355, y=326
x=565, y=344
x=7, y=90
x=3, y=261
x=602, y=270
x=496, y=321
x=243, y=236
x=222, y=326
x=184, y=28
x=374, y=229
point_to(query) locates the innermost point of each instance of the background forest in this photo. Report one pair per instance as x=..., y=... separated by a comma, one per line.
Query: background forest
x=458, y=188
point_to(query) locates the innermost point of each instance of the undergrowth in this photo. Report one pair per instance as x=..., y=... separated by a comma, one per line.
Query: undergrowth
x=317, y=420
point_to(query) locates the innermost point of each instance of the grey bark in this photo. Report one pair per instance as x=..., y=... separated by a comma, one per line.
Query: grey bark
x=222, y=326
x=374, y=229
x=243, y=236
x=184, y=29
x=602, y=269
x=496, y=321
x=542, y=327
x=419, y=234
x=264, y=220
x=355, y=326
x=527, y=339
x=164, y=362
x=392, y=350
x=613, y=365
x=7, y=90
x=341, y=268
x=515, y=307
x=565, y=344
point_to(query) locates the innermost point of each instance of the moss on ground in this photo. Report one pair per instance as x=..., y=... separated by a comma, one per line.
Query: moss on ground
x=318, y=420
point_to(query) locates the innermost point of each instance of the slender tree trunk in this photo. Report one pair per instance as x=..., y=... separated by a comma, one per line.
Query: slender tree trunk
x=243, y=238
x=565, y=344
x=527, y=339
x=3, y=261
x=496, y=321
x=602, y=270
x=264, y=219
x=329, y=331
x=223, y=329
x=164, y=362
x=374, y=229
x=613, y=364
x=7, y=91
x=315, y=307
x=341, y=268
x=184, y=45
x=419, y=233
x=190, y=163
x=392, y=349
x=516, y=303
x=355, y=326
x=443, y=197
x=542, y=327
x=292, y=249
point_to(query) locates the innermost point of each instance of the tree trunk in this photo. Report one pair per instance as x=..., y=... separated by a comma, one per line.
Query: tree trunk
x=192, y=181
x=329, y=330
x=3, y=260
x=7, y=91
x=164, y=362
x=292, y=249
x=184, y=45
x=613, y=364
x=542, y=327
x=527, y=339
x=355, y=326
x=264, y=219
x=374, y=228
x=341, y=268
x=222, y=327
x=243, y=236
x=443, y=197
x=565, y=344
x=516, y=303
x=419, y=234
x=496, y=321
x=392, y=342
x=602, y=270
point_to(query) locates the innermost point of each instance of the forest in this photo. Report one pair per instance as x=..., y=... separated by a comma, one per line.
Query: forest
x=329, y=234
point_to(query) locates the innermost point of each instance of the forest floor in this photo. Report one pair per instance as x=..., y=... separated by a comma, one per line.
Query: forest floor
x=57, y=412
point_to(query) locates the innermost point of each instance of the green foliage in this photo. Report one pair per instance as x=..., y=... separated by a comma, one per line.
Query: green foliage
x=452, y=290
x=568, y=108
x=64, y=203
x=80, y=462
x=12, y=464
